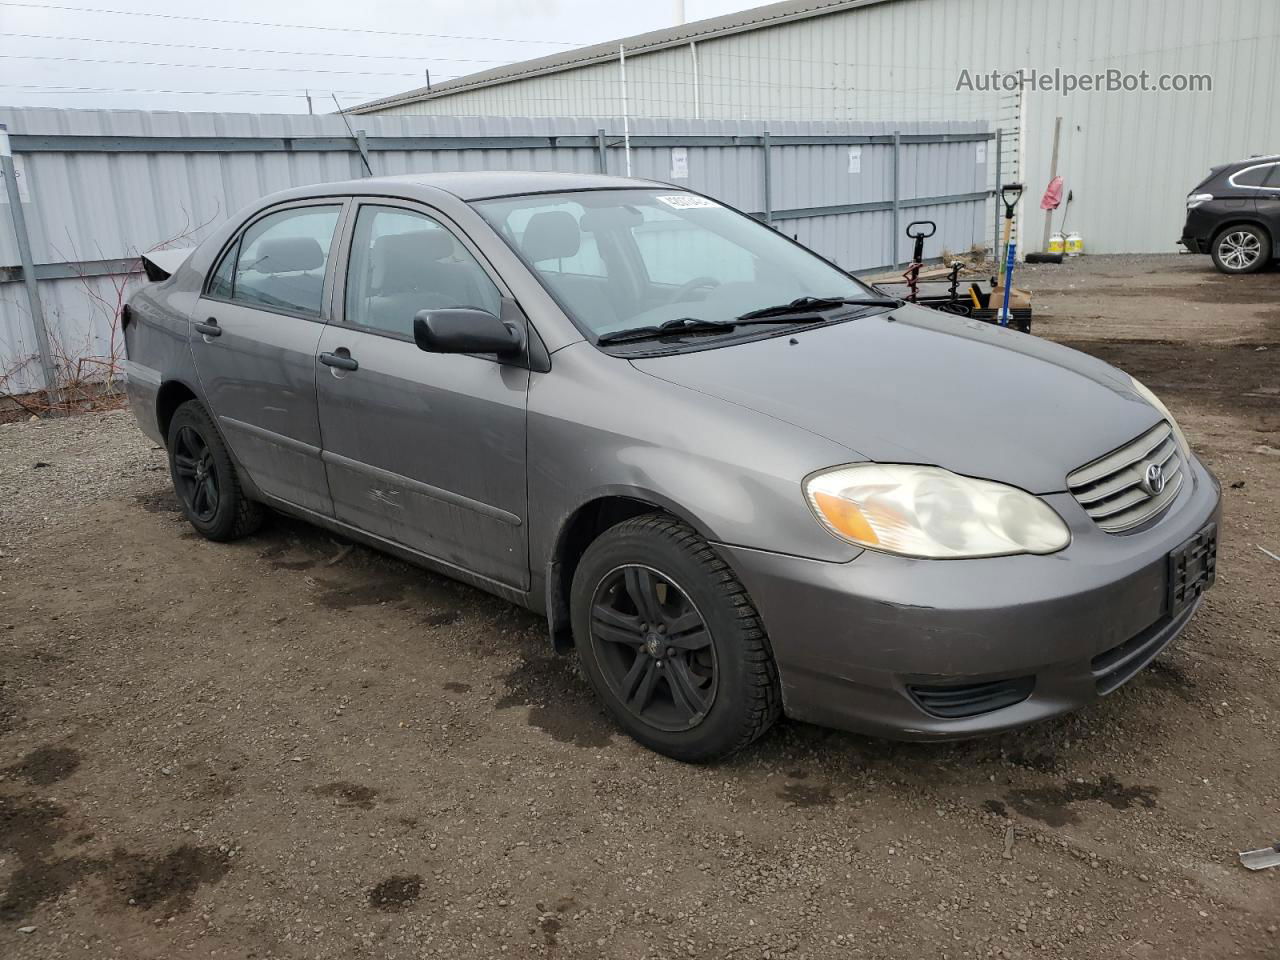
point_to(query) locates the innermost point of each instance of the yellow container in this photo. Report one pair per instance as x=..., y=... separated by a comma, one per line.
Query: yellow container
x=1074, y=245
x=1057, y=243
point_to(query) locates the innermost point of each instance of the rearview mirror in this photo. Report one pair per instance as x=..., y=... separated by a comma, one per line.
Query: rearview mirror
x=465, y=330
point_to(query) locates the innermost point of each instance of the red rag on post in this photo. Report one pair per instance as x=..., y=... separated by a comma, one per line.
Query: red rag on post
x=1052, y=196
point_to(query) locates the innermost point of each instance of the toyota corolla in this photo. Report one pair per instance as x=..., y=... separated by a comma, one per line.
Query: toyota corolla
x=736, y=481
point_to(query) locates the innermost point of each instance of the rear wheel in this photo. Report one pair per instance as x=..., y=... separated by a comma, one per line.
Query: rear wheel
x=670, y=641
x=1241, y=249
x=204, y=477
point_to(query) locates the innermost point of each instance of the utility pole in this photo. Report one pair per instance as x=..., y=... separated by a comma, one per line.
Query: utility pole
x=626, y=125
x=697, y=93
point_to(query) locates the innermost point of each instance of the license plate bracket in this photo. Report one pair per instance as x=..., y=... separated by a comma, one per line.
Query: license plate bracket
x=1192, y=568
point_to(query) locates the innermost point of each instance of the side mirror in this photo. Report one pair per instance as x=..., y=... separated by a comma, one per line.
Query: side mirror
x=465, y=330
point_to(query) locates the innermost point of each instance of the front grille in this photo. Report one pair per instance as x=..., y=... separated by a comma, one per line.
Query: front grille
x=971, y=699
x=1114, y=490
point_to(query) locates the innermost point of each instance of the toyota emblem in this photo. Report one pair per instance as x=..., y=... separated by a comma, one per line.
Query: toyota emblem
x=1153, y=480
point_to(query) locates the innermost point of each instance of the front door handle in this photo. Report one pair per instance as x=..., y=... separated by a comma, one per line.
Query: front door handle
x=210, y=328
x=340, y=359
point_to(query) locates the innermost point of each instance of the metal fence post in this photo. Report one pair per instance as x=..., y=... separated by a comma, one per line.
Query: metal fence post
x=897, y=199
x=362, y=144
x=995, y=230
x=768, y=179
x=1053, y=173
x=19, y=218
x=602, y=151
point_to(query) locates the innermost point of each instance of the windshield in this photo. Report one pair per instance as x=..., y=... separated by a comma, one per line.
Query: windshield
x=621, y=259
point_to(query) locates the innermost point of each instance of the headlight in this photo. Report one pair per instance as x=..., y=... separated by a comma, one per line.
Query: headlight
x=931, y=512
x=1195, y=199
x=1152, y=399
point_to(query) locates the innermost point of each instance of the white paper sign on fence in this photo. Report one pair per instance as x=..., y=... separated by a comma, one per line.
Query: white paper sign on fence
x=855, y=159
x=24, y=192
x=679, y=163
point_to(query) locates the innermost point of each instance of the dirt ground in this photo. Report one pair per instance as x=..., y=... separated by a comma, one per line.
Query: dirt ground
x=279, y=748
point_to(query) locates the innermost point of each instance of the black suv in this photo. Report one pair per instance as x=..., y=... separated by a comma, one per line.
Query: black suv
x=1234, y=215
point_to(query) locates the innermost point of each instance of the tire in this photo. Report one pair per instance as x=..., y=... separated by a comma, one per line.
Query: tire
x=720, y=690
x=204, y=477
x=1242, y=248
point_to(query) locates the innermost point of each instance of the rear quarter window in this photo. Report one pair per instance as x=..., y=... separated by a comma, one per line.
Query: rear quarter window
x=219, y=284
x=1257, y=176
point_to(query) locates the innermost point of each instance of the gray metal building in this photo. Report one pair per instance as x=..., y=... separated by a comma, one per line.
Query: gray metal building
x=1129, y=157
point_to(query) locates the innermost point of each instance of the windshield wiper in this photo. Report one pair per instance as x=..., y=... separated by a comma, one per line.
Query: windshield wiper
x=816, y=304
x=681, y=325
x=665, y=329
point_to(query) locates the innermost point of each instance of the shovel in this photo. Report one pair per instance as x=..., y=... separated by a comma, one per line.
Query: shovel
x=1261, y=859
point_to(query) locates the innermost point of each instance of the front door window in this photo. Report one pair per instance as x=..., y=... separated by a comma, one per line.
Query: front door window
x=403, y=262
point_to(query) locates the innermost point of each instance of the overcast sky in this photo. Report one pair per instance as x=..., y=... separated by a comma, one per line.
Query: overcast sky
x=67, y=54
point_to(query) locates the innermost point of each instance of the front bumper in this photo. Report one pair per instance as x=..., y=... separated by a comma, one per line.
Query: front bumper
x=856, y=642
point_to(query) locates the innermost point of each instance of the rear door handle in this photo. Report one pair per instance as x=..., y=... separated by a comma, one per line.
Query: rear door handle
x=342, y=360
x=209, y=328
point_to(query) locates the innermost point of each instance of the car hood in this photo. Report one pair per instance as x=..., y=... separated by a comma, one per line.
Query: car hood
x=917, y=386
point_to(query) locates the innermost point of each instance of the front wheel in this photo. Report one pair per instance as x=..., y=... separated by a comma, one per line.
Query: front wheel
x=1241, y=249
x=671, y=642
x=204, y=477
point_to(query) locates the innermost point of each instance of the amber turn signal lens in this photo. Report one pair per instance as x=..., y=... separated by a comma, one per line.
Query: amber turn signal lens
x=845, y=517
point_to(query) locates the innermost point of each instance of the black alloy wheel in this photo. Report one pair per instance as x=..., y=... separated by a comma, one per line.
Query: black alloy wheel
x=205, y=479
x=671, y=642
x=194, y=474
x=653, y=648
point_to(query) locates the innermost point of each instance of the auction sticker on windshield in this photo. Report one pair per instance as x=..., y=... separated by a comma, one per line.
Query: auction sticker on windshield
x=686, y=201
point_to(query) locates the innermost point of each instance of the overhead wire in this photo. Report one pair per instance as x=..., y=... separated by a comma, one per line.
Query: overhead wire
x=288, y=26
x=287, y=53
x=294, y=92
x=209, y=66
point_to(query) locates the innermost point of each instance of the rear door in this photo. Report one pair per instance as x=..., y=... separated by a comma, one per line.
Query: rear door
x=1269, y=206
x=426, y=450
x=254, y=337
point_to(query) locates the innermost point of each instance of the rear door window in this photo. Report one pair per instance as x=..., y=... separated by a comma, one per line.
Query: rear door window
x=281, y=261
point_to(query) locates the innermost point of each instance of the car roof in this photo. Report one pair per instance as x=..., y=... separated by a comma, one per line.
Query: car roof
x=466, y=186
x=478, y=185
x=1252, y=161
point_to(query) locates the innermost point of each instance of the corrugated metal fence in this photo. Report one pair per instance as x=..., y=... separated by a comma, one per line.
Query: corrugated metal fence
x=99, y=187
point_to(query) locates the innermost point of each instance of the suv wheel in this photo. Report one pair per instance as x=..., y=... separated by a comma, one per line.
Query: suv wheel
x=204, y=478
x=670, y=641
x=1241, y=249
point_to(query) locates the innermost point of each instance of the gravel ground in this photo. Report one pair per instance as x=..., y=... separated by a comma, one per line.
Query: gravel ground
x=276, y=748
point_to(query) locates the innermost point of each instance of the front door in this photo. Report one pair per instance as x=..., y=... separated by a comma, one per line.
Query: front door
x=254, y=336
x=426, y=450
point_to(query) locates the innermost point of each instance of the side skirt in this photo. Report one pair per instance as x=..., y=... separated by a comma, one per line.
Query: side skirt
x=401, y=552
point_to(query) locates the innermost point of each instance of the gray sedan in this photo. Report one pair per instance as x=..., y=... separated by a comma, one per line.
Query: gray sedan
x=737, y=481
